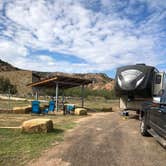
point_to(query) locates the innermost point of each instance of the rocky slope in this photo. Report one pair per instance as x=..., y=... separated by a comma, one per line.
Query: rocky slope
x=4, y=66
x=100, y=80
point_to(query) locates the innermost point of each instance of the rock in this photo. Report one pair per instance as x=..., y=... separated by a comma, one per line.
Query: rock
x=22, y=110
x=37, y=126
x=80, y=111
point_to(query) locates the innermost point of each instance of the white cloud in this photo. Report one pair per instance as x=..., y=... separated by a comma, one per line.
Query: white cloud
x=10, y=50
x=104, y=41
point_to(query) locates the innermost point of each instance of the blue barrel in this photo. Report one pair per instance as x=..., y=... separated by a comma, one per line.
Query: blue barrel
x=36, y=107
x=70, y=107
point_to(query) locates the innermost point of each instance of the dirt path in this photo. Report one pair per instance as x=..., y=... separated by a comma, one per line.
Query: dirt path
x=105, y=139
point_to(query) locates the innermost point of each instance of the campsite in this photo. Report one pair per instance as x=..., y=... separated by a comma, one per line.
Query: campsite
x=104, y=133
x=103, y=130
x=83, y=82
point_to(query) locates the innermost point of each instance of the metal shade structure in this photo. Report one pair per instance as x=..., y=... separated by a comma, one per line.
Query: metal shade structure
x=63, y=82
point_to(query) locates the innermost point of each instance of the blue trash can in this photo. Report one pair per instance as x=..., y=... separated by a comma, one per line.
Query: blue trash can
x=70, y=108
x=36, y=107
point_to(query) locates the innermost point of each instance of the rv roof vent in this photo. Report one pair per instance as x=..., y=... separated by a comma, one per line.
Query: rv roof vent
x=143, y=64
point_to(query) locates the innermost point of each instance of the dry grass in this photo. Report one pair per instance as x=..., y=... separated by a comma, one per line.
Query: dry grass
x=6, y=105
x=95, y=104
x=91, y=103
x=9, y=105
x=14, y=120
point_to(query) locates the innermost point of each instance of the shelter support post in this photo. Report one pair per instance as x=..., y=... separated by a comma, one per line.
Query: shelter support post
x=9, y=97
x=63, y=97
x=57, y=96
x=63, y=100
x=82, y=97
x=36, y=94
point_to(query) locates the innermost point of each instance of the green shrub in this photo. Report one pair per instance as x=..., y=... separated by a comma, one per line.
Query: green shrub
x=107, y=94
x=6, y=86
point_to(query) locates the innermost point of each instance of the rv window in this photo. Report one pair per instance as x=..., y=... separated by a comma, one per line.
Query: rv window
x=158, y=79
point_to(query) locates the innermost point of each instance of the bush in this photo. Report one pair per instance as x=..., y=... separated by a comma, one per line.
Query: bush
x=90, y=92
x=77, y=92
x=51, y=91
x=6, y=86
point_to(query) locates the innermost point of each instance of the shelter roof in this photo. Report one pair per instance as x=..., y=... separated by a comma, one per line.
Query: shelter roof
x=63, y=82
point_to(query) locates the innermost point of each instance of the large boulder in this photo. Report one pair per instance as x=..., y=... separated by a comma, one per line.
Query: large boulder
x=80, y=111
x=37, y=126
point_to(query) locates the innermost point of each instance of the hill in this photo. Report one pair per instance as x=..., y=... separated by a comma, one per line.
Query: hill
x=100, y=80
x=4, y=66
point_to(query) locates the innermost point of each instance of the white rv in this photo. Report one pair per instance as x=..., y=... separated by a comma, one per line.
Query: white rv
x=138, y=83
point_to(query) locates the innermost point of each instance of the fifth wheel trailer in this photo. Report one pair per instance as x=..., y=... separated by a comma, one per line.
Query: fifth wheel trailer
x=135, y=84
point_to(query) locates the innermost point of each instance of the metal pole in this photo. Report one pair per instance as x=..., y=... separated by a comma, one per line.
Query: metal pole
x=63, y=106
x=9, y=99
x=36, y=96
x=82, y=97
x=56, y=96
x=63, y=97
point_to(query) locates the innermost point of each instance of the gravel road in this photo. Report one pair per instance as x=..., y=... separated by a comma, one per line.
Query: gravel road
x=105, y=139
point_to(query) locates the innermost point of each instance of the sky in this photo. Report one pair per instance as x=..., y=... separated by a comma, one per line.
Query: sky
x=82, y=36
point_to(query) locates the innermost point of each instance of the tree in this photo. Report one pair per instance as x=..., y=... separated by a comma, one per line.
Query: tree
x=76, y=91
x=6, y=86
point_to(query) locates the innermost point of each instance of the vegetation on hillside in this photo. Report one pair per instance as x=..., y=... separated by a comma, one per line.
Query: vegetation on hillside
x=76, y=92
x=90, y=92
x=6, y=86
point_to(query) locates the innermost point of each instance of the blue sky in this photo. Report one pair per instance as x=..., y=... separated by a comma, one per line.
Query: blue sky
x=80, y=36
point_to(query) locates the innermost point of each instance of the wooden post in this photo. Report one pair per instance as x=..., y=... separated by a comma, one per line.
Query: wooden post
x=56, y=96
x=82, y=97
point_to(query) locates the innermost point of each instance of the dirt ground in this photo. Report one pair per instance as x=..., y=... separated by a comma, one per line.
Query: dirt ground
x=105, y=139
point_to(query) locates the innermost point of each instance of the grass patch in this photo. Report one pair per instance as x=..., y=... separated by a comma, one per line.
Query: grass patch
x=5, y=104
x=18, y=148
x=8, y=105
x=95, y=104
x=92, y=103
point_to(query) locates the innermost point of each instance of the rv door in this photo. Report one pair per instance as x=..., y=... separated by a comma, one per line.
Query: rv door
x=159, y=83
